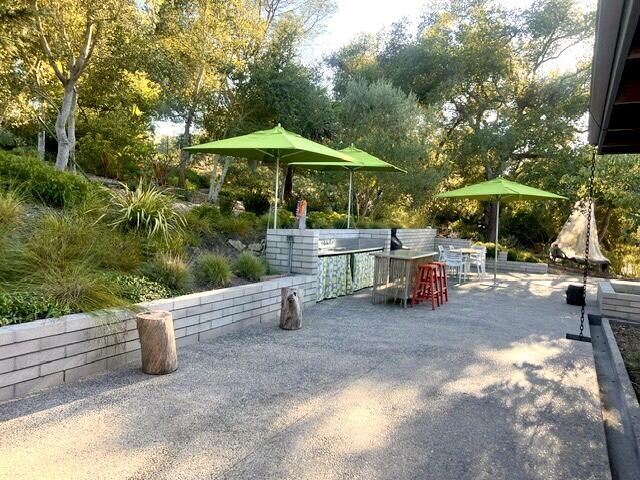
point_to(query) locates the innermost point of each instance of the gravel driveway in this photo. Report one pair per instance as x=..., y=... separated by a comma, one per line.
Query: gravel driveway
x=485, y=387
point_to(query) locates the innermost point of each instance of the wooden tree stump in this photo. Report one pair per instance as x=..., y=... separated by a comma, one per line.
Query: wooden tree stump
x=291, y=309
x=158, y=342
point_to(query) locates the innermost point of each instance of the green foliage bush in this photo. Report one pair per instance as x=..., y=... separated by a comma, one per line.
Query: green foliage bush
x=286, y=219
x=170, y=270
x=213, y=270
x=208, y=219
x=248, y=266
x=513, y=254
x=146, y=209
x=138, y=288
x=20, y=307
x=257, y=203
x=41, y=181
x=625, y=261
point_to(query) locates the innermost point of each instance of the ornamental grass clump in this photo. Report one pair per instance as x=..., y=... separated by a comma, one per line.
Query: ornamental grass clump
x=213, y=270
x=11, y=209
x=248, y=266
x=170, y=270
x=146, y=209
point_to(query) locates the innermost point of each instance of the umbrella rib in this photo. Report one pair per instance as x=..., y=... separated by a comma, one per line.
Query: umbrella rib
x=265, y=153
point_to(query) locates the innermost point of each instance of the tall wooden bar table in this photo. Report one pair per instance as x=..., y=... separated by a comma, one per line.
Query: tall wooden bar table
x=394, y=274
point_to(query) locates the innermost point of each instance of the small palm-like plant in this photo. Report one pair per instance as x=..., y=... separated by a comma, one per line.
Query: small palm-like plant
x=145, y=209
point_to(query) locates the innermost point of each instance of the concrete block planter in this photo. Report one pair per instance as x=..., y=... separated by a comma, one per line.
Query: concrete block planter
x=49, y=352
x=620, y=407
x=619, y=299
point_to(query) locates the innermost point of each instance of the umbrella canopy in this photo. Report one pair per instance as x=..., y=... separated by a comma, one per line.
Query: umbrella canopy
x=500, y=190
x=273, y=145
x=361, y=161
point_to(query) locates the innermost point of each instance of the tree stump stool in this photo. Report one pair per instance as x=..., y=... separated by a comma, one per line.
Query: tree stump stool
x=157, y=341
x=291, y=309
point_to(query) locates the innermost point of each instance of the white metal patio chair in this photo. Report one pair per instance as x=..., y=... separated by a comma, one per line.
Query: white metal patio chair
x=479, y=260
x=457, y=261
x=440, y=253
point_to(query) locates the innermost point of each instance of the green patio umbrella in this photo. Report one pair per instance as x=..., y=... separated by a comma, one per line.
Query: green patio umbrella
x=362, y=161
x=500, y=190
x=273, y=145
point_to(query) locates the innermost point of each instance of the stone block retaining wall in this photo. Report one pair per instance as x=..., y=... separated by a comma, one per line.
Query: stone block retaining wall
x=43, y=353
x=619, y=299
x=518, y=267
x=417, y=238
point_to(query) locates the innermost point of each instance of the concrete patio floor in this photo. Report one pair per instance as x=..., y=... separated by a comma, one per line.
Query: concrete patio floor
x=485, y=387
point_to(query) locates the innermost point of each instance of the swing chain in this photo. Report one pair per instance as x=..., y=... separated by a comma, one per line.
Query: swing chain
x=588, y=241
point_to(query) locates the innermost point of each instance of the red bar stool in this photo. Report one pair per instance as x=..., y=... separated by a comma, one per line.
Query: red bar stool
x=442, y=279
x=426, y=285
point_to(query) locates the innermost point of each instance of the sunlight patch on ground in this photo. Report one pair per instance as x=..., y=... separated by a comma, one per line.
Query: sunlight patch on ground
x=72, y=446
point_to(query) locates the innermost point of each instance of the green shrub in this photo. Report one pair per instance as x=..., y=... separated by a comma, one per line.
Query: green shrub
x=213, y=270
x=318, y=220
x=197, y=180
x=248, y=266
x=11, y=209
x=208, y=219
x=513, y=254
x=169, y=270
x=41, y=181
x=257, y=203
x=234, y=225
x=138, y=288
x=20, y=307
x=146, y=209
x=286, y=219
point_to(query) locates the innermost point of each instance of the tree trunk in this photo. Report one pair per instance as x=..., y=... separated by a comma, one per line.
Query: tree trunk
x=62, y=158
x=185, y=155
x=71, y=130
x=42, y=137
x=212, y=181
x=216, y=183
x=291, y=309
x=602, y=231
x=157, y=342
x=288, y=184
x=490, y=222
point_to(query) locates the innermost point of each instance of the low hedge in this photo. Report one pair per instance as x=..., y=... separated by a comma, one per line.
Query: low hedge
x=41, y=181
x=513, y=254
x=24, y=307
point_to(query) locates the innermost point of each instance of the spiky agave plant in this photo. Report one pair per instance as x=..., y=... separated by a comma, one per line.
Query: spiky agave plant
x=146, y=209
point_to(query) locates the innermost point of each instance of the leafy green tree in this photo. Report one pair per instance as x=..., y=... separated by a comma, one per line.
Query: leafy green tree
x=201, y=44
x=487, y=75
x=388, y=123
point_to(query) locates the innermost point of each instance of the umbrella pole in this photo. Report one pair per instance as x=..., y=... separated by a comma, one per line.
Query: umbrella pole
x=349, y=207
x=275, y=210
x=495, y=259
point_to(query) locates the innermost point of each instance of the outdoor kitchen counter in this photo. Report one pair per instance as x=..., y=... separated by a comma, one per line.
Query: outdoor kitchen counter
x=394, y=273
x=345, y=266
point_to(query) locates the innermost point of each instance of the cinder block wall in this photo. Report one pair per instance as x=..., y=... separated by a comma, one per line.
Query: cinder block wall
x=447, y=242
x=304, y=259
x=48, y=352
x=615, y=304
x=417, y=238
x=382, y=234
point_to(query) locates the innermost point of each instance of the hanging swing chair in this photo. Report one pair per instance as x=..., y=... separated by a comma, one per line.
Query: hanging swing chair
x=572, y=239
